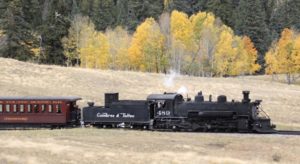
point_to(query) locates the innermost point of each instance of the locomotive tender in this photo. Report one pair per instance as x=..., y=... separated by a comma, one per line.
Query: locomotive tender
x=170, y=111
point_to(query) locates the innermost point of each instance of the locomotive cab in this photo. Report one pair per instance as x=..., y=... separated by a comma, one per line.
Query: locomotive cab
x=163, y=105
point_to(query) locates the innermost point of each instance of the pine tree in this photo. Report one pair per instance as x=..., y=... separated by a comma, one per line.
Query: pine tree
x=225, y=9
x=286, y=15
x=139, y=11
x=103, y=14
x=17, y=32
x=250, y=21
x=55, y=24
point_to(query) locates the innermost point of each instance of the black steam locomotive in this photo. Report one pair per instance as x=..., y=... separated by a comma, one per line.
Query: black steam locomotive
x=170, y=111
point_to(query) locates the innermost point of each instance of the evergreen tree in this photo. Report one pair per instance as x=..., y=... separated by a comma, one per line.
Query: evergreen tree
x=17, y=32
x=250, y=21
x=286, y=15
x=225, y=9
x=138, y=11
x=55, y=25
x=103, y=14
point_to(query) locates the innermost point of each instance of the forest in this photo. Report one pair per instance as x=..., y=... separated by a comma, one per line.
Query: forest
x=193, y=37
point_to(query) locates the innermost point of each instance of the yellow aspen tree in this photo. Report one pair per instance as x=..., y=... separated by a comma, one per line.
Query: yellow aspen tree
x=182, y=29
x=272, y=66
x=296, y=54
x=86, y=45
x=205, y=38
x=93, y=47
x=101, y=51
x=119, y=42
x=225, y=53
x=239, y=62
x=251, y=54
x=285, y=46
x=71, y=42
x=183, y=45
x=283, y=55
x=146, y=50
x=135, y=51
x=198, y=24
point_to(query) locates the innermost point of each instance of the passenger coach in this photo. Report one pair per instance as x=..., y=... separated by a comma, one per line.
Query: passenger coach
x=24, y=112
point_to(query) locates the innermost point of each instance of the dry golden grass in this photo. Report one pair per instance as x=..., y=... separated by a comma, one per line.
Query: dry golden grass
x=124, y=146
x=280, y=101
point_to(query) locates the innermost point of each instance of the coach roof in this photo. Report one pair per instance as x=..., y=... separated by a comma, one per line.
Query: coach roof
x=64, y=98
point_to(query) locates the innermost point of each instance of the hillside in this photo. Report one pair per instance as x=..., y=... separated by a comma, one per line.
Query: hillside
x=280, y=101
x=92, y=145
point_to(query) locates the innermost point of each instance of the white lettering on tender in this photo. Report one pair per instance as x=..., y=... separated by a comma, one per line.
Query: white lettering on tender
x=118, y=115
x=105, y=115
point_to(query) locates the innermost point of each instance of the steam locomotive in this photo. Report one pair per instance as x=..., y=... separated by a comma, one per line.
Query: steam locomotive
x=170, y=111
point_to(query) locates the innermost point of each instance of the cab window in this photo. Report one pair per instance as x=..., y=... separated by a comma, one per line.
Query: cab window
x=58, y=108
x=1, y=108
x=7, y=108
x=22, y=108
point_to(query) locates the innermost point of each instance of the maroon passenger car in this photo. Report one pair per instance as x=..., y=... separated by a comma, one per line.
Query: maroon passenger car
x=38, y=112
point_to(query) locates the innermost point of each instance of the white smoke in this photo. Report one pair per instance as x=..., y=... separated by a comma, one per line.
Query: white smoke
x=169, y=80
x=182, y=90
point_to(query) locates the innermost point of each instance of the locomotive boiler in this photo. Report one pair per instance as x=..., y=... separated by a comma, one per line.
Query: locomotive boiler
x=170, y=111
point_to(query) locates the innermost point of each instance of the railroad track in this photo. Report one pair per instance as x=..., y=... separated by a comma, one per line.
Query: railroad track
x=288, y=132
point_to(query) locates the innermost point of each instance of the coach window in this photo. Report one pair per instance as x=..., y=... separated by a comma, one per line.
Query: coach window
x=36, y=108
x=29, y=108
x=50, y=108
x=1, y=108
x=15, y=108
x=7, y=108
x=43, y=108
x=22, y=108
x=58, y=108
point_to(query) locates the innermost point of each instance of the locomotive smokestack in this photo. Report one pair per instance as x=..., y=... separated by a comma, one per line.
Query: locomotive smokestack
x=246, y=97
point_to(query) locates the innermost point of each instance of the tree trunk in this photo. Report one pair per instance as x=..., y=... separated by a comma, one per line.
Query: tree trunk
x=288, y=78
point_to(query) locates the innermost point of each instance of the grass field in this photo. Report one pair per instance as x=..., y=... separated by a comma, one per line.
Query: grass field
x=124, y=146
x=280, y=101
